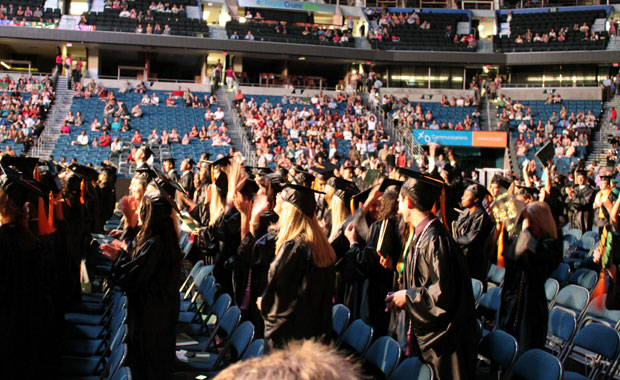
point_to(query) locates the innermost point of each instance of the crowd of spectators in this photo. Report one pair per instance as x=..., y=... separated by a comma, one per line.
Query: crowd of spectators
x=24, y=103
x=28, y=15
x=567, y=131
x=312, y=130
x=117, y=117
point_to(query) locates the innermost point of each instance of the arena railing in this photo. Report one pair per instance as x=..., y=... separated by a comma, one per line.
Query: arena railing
x=38, y=145
x=248, y=150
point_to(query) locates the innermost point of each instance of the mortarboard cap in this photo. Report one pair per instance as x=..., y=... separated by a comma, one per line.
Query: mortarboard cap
x=301, y=197
x=249, y=189
x=145, y=173
x=167, y=189
x=85, y=172
x=527, y=189
x=221, y=183
x=323, y=171
x=607, y=178
x=18, y=187
x=477, y=189
x=434, y=183
x=582, y=172
x=259, y=171
x=190, y=161
x=503, y=182
x=170, y=160
x=277, y=182
x=205, y=156
x=223, y=161
x=362, y=196
x=387, y=182
x=147, y=151
x=546, y=153
x=24, y=165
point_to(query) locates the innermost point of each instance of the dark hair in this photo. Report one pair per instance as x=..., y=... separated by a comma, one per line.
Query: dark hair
x=421, y=194
x=389, y=204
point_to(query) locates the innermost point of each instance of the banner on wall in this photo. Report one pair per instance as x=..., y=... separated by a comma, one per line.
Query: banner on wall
x=479, y=139
x=289, y=5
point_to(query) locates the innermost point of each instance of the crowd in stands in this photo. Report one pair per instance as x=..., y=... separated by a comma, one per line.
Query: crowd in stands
x=113, y=128
x=24, y=103
x=295, y=130
x=427, y=31
x=30, y=14
x=552, y=31
x=164, y=18
x=257, y=27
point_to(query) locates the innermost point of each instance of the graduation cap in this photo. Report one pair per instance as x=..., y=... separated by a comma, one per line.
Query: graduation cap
x=607, y=178
x=205, y=156
x=387, y=182
x=433, y=184
x=362, y=196
x=190, y=161
x=277, y=182
x=221, y=183
x=85, y=172
x=301, y=197
x=304, y=177
x=48, y=176
x=170, y=160
x=358, y=219
x=260, y=171
x=18, y=187
x=477, y=189
x=323, y=171
x=223, y=161
x=582, y=172
x=167, y=190
x=171, y=185
x=503, y=182
x=250, y=188
x=145, y=173
x=24, y=165
x=546, y=153
x=533, y=191
x=344, y=189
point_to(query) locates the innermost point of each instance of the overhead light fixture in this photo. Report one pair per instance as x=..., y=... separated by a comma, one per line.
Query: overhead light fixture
x=5, y=65
x=302, y=58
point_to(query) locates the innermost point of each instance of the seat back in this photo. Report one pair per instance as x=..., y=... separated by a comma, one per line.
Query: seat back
x=573, y=298
x=203, y=282
x=119, y=337
x=357, y=337
x=536, y=364
x=220, y=306
x=500, y=348
x=117, y=359
x=192, y=274
x=491, y=299
x=599, y=339
x=561, y=273
x=123, y=373
x=384, y=354
x=586, y=278
x=552, y=286
x=590, y=234
x=340, y=319
x=256, y=349
x=496, y=275
x=477, y=288
x=412, y=369
x=597, y=311
x=561, y=324
x=238, y=344
x=230, y=320
x=208, y=292
x=576, y=232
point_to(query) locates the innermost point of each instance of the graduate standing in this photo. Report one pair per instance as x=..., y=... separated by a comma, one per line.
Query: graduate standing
x=298, y=299
x=580, y=200
x=472, y=230
x=436, y=289
x=530, y=260
x=149, y=271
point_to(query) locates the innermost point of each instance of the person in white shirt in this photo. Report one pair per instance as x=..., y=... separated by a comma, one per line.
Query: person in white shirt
x=294, y=132
x=434, y=125
x=219, y=114
x=82, y=139
x=460, y=102
x=117, y=146
x=347, y=134
x=145, y=100
x=124, y=13
x=154, y=99
x=372, y=122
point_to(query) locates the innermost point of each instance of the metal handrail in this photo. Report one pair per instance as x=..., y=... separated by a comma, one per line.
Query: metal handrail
x=246, y=147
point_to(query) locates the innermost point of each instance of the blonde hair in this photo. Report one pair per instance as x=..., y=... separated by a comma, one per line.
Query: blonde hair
x=300, y=360
x=216, y=206
x=540, y=214
x=295, y=225
x=329, y=193
x=340, y=213
x=10, y=212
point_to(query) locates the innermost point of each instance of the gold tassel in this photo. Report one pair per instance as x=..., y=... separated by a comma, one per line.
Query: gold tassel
x=82, y=186
x=500, y=247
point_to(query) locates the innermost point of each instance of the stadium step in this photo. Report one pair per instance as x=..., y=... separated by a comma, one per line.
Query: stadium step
x=614, y=44
x=218, y=32
x=56, y=117
x=193, y=12
x=97, y=6
x=235, y=129
x=600, y=143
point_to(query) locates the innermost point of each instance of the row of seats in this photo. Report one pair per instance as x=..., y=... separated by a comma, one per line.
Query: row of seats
x=266, y=32
x=179, y=24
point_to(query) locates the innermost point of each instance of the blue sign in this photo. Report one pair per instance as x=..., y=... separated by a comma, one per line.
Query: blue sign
x=443, y=137
x=304, y=6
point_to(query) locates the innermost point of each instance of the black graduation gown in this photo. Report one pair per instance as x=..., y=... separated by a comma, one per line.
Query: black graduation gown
x=523, y=311
x=440, y=304
x=25, y=306
x=297, y=303
x=151, y=279
x=107, y=195
x=580, y=207
x=368, y=281
x=471, y=232
x=173, y=175
x=187, y=182
x=224, y=240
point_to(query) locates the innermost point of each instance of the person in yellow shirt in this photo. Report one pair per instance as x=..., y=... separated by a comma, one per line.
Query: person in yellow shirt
x=603, y=202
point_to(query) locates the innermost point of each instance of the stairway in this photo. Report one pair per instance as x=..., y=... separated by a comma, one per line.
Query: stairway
x=238, y=137
x=218, y=32
x=599, y=142
x=613, y=44
x=56, y=117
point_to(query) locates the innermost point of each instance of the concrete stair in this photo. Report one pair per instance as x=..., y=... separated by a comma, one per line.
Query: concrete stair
x=194, y=12
x=56, y=117
x=600, y=145
x=217, y=32
x=238, y=137
x=97, y=6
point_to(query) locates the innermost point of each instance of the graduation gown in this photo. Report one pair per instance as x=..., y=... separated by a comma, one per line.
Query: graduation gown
x=368, y=282
x=601, y=215
x=151, y=279
x=440, y=303
x=580, y=207
x=523, y=311
x=25, y=306
x=297, y=303
x=187, y=182
x=471, y=233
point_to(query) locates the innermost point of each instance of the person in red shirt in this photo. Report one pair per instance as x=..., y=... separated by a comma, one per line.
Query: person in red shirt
x=59, y=63
x=178, y=93
x=105, y=139
x=614, y=115
x=137, y=137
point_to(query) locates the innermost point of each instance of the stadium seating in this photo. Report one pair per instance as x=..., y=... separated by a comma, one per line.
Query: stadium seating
x=543, y=22
x=47, y=13
x=158, y=117
x=411, y=37
x=179, y=23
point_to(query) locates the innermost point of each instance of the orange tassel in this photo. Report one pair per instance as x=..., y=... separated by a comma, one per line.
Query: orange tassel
x=500, y=248
x=50, y=216
x=82, y=186
x=442, y=204
x=59, y=214
x=42, y=222
x=598, y=292
x=212, y=175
